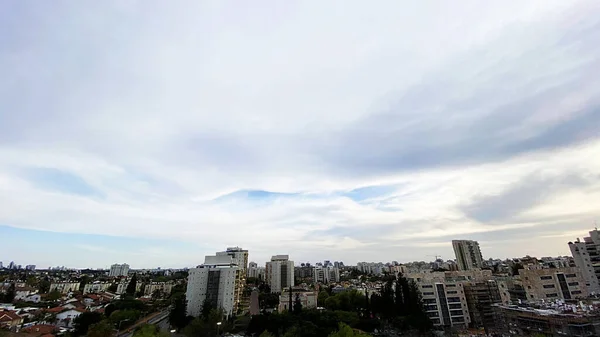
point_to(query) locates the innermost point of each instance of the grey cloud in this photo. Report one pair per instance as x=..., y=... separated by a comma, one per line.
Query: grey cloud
x=525, y=194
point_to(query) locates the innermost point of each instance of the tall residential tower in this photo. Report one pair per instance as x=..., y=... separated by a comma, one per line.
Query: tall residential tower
x=279, y=273
x=468, y=254
x=587, y=258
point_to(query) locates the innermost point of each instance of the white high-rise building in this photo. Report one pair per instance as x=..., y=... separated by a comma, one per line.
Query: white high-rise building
x=468, y=254
x=217, y=281
x=119, y=270
x=586, y=255
x=326, y=274
x=279, y=273
x=255, y=271
x=239, y=256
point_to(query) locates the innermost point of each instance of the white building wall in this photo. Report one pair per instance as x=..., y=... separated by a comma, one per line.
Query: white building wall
x=274, y=270
x=198, y=279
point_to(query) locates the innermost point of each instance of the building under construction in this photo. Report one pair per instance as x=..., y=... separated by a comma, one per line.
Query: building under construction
x=513, y=320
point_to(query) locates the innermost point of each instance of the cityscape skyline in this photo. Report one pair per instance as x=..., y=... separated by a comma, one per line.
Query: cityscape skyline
x=387, y=130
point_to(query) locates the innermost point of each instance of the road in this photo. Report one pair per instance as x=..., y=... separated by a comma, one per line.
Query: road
x=154, y=318
x=254, y=303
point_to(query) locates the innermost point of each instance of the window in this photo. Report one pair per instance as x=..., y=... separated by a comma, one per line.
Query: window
x=576, y=292
x=456, y=313
x=549, y=286
x=545, y=277
x=451, y=286
x=455, y=306
x=427, y=286
x=552, y=295
x=453, y=299
x=428, y=293
x=460, y=319
x=570, y=275
x=435, y=320
x=572, y=284
x=452, y=292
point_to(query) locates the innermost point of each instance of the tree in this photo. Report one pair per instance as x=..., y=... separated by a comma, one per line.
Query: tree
x=346, y=331
x=9, y=296
x=101, y=329
x=207, y=307
x=83, y=322
x=149, y=330
x=266, y=334
x=53, y=295
x=130, y=290
x=113, y=288
x=297, y=304
x=323, y=296
x=205, y=327
x=109, y=309
x=178, y=317
x=44, y=285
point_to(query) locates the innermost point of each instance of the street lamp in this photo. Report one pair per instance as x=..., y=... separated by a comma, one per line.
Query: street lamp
x=218, y=326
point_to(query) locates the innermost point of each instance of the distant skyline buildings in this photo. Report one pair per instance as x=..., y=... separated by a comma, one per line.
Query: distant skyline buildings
x=119, y=270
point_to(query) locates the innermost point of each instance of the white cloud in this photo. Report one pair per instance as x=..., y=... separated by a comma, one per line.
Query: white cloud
x=167, y=108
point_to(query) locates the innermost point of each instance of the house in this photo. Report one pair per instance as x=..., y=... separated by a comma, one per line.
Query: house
x=22, y=292
x=65, y=318
x=10, y=320
x=40, y=330
x=35, y=298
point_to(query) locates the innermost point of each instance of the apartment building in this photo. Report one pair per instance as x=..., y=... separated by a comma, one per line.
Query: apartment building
x=96, y=287
x=445, y=303
x=255, y=271
x=326, y=274
x=64, y=287
x=458, y=298
x=468, y=254
x=553, y=283
x=217, y=280
x=375, y=268
x=239, y=257
x=122, y=287
x=119, y=270
x=586, y=255
x=279, y=273
x=163, y=287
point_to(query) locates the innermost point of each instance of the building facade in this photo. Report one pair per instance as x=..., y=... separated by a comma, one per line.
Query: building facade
x=279, y=273
x=255, y=271
x=96, y=287
x=553, y=283
x=119, y=270
x=308, y=299
x=163, y=287
x=468, y=254
x=326, y=274
x=64, y=287
x=586, y=255
x=216, y=281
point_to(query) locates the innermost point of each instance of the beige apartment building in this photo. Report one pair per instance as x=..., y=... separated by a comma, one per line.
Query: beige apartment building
x=553, y=283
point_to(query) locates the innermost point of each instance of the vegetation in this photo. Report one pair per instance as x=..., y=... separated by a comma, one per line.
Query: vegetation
x=148, y=330
x=346, y=331
x=9, y=295
x=101, y=329
x=212, y=324
x=130, y=290
x=83, y=322
x=177, y=317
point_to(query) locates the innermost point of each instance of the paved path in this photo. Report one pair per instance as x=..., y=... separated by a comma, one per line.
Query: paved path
x=150, y=319
x=254, y=304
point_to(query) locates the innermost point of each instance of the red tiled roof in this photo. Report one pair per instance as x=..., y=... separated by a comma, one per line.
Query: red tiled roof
x=92, y=296
x=41, y=329
x=55, y=310
x=7, y=315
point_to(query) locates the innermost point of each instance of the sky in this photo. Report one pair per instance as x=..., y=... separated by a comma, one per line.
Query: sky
x=155, y=133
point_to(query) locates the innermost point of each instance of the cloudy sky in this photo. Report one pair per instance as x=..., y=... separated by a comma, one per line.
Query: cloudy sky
x=154, y=133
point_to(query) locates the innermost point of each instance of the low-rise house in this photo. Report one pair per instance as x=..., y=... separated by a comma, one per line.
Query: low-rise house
x=40, y=330
x=65, y=318
x=22, y=292
x=308, y=299
x=35, y=298
x=10, y=319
